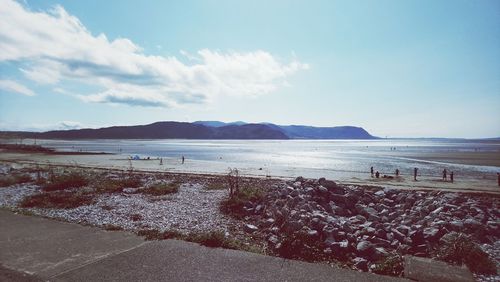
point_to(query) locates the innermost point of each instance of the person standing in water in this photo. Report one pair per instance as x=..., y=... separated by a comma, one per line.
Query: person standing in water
x=444, y=174
x=397, y=172
x=182, y=159
x=451, y=177
x=371, y=170
x=415, y=170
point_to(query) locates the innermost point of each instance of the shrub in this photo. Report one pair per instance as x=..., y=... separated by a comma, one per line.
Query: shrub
x=65, y=181
x=235, y=205
x=161, y=189
x=108, y=186
x=458, y=248
x=59, y=200
x=130, y=182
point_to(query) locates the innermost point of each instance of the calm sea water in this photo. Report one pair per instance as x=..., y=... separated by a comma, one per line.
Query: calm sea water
x=311, y=158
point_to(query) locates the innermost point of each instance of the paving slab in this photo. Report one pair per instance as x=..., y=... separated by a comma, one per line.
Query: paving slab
x=173, y=260
x=46, y=247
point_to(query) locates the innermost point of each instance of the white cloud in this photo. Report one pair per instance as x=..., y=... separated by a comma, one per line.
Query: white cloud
x=15, y=87
x=56, y=46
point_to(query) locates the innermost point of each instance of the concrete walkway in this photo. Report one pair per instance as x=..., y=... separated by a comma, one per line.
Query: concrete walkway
x=58, y=251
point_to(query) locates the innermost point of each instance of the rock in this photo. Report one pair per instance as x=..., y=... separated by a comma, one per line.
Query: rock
x=398, y=235
x=273, y=239
x=249, y=228
x=299, y=179
x=364, y=248
x=380, y=193
x=268, y=222
x=360, y=263
x=322, y=190
x=312, y=234
x=259, y=208
x=432, y=234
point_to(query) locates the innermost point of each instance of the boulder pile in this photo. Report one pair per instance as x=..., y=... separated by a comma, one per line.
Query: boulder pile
x=363, y=225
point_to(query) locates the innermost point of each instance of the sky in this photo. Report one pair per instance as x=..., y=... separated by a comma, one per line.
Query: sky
x=426, y=68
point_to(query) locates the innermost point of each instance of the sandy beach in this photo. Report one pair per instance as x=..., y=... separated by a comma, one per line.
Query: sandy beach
x=121, y=162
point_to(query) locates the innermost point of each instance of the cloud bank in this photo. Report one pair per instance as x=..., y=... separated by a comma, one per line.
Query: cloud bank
x=15, y=87
x=54, y=46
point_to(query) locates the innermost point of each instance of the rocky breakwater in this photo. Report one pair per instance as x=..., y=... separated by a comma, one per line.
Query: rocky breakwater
x=364, y=227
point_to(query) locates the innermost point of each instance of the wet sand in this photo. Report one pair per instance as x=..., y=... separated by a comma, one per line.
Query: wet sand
x=120, y=162
x=468, y=158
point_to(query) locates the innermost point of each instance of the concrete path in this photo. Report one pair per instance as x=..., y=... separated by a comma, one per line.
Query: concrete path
x=58, y=251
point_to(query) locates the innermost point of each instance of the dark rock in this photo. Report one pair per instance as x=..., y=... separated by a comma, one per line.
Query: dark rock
x=360, y=263
x=365, y=248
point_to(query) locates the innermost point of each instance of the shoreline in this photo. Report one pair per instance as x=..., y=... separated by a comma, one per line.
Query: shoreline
x=172, y=165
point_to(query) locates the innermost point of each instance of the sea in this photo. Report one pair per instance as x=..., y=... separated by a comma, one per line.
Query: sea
x=337, y=159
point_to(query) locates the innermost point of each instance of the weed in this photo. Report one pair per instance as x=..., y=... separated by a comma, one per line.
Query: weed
x=153, y=234
x=391, y=265
x=111, y=227
x=136, y=217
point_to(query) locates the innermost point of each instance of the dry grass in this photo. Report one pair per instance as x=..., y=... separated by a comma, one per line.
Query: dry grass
x=8, y=180
x=64, y=181
x=57, y=200
x=159, y=189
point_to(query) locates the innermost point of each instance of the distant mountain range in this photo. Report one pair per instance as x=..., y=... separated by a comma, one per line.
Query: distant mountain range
x=202, y=130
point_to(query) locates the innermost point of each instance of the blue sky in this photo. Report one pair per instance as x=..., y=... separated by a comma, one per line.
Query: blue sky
x=396, y=68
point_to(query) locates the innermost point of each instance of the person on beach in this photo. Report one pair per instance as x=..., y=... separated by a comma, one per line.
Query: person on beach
x=371, y=170
x=498, y=176
x=182, y=159
x=161, y=161
x=377, y=174
x=415, y=170
x=444, y=174
x=451, y=177
x=397, y=172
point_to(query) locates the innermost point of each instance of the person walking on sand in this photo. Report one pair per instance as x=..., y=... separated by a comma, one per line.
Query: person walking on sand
x=415, y=170
x=451, y=177
x=444, y=174
x=371, y=170
x=182, y=159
